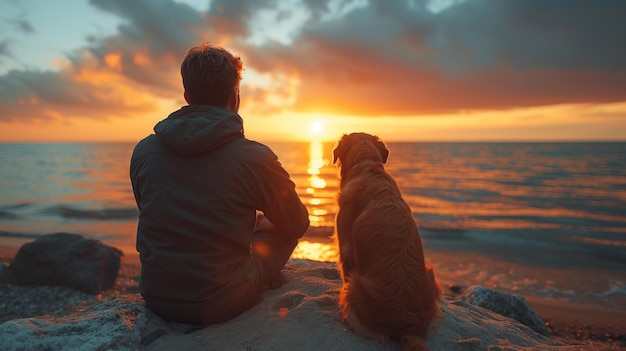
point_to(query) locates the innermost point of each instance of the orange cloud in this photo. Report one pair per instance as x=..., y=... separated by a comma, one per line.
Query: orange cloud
x=141, y=59
x=113, y=61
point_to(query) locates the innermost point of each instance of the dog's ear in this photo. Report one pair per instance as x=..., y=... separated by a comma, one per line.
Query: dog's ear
x=338, y=150
x=384, y=152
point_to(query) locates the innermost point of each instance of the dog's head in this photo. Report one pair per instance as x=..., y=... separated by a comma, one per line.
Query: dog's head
x=358, y=147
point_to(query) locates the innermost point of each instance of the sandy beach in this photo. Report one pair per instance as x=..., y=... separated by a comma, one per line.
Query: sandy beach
x=310, y=299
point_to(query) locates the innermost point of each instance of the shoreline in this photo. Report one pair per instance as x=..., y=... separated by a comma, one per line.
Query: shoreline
x=571, y=322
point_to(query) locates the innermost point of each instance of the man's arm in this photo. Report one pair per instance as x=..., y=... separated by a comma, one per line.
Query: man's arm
x=281, y=204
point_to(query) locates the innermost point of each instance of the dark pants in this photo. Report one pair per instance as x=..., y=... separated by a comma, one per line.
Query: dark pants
x=270, y=252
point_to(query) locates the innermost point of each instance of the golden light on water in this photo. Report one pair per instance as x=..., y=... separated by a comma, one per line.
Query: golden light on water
x=316, y=251
x=316, y=162
x=319, y=212
x=315, y=201
x=320, y=187
x=315, y=182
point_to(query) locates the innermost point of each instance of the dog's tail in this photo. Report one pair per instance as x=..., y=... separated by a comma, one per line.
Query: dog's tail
x=413, y=338
x=412, y=342
x=364, y=321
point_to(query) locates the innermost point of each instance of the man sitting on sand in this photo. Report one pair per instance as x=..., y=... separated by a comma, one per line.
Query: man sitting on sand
x=199, y=183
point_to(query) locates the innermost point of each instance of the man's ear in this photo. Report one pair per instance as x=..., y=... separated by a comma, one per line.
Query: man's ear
x=234, y=101
x=186, y=98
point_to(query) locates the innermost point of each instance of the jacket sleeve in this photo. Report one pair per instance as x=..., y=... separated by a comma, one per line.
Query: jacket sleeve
x=134, y=178
x=280, y=202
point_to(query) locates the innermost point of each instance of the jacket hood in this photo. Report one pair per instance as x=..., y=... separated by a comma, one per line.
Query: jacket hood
x=197, y=129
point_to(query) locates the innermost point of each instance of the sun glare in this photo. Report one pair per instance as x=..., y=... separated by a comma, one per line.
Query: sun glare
x=317, y=127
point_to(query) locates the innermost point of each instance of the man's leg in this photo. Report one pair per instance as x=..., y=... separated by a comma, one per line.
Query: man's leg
x=270, y=252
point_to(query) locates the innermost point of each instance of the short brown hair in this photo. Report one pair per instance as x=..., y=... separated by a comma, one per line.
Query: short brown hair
x=210, y=74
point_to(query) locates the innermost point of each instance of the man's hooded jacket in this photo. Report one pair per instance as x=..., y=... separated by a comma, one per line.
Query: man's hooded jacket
x=198, y=183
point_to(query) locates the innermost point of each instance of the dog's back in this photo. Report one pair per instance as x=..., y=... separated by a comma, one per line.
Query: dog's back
x=387, y=291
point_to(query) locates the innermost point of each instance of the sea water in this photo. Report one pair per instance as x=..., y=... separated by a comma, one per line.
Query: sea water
x=522, y=217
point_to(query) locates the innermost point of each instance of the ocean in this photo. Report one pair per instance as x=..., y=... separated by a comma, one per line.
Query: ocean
x=545, y=219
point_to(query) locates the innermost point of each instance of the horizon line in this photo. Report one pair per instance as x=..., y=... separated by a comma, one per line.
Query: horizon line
x=442, y=141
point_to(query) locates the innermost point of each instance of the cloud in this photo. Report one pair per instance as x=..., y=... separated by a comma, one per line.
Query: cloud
x=19, y=24
x=22, y=25
x=4, y=48
x=371, y=58
x=398, y=58
x=74, y=92
x=151, y=41
x=116, y=76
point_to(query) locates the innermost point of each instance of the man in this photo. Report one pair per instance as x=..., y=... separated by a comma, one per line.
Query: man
x=199, y=184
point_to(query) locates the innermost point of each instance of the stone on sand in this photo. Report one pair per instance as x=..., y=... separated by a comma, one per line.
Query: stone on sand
x=65, y=259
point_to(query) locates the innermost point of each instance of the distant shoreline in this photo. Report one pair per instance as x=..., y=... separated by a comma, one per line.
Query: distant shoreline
x=330, y=141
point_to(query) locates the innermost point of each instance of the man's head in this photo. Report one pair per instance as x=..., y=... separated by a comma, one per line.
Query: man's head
x=211, y=76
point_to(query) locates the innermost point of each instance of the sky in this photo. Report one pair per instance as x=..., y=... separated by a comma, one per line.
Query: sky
x=405, y=70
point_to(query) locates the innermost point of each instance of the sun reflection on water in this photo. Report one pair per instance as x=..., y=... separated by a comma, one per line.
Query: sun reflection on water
x=316, y=183
x=319, y=190
x=324, y=252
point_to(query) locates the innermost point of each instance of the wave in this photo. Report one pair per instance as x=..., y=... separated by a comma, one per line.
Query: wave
x=7, y=215
x=30, y=235
x=616, y=288
x=92, y=214
x=105, y=213
x=8, y=211
x=611, y=297
x=6, y=234
x=27, y=210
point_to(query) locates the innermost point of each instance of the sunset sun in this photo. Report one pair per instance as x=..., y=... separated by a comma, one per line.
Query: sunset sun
x=317, y=128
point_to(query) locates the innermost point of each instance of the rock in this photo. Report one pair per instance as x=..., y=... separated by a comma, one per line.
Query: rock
x=66, y=260
x=23, y=301
x=512, y=306
x=301, y=315
x=457, y=288
x=111, y=325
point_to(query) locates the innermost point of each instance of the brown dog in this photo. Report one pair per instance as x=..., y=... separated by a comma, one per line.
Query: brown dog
x=387, y=290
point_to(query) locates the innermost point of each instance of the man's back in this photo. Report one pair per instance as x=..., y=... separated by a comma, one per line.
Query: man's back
x=198, y=183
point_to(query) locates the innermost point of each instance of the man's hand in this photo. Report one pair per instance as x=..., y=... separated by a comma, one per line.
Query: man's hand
x=263, y=224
